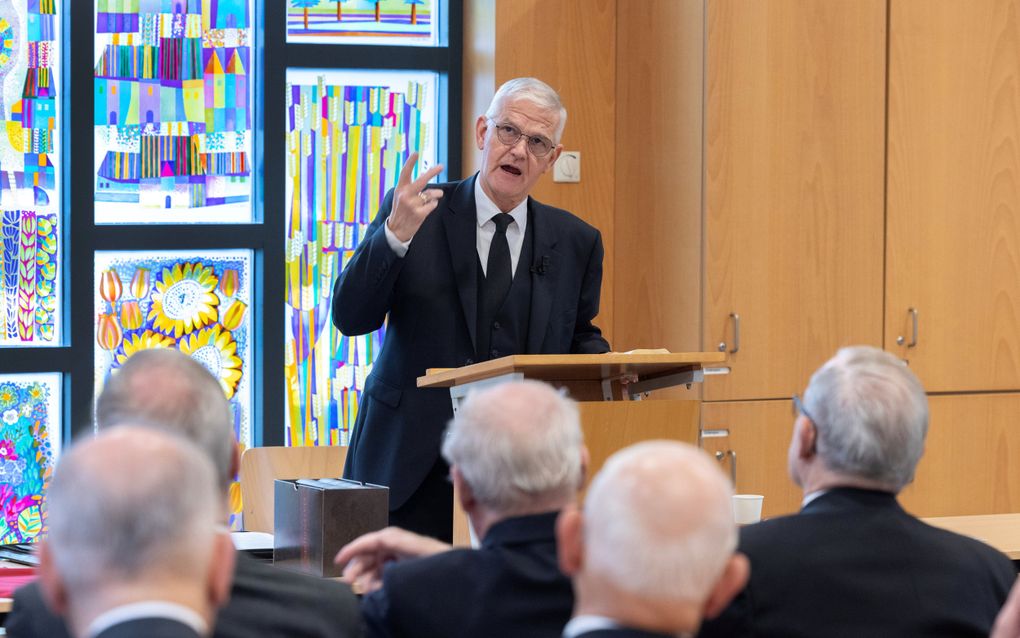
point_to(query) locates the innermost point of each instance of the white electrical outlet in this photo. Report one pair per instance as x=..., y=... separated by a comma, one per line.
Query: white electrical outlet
x=568, y=167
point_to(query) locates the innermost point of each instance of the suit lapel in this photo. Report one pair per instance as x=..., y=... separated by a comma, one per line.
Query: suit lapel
x=544, y=277
x=460, y=223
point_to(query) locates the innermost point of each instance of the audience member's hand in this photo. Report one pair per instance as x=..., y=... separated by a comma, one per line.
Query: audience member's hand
x=1007, y=624
x=366, y=555
x=411, y=202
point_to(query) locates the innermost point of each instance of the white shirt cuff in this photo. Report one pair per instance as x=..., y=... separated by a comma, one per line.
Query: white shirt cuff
x=397, y=246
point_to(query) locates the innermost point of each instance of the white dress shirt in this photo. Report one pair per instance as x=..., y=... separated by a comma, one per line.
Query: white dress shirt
x=486, y=210
x=147, y=609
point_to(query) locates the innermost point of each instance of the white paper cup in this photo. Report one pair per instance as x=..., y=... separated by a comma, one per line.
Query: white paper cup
x=747, y=508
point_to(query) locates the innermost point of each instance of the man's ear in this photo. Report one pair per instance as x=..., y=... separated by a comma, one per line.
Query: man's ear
x=463, y=491
x=553, y=156
x=481, y=126
x=221, y=569
x=585, y=464
x=570, y=540
x=52, y=585
x=806, y=435
x=732, y=582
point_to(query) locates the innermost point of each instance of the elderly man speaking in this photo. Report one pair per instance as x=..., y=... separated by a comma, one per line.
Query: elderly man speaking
x=853, y=562
x=463, y=272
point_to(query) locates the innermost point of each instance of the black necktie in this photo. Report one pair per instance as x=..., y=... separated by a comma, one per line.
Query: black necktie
x=498, y=275
x=498, y=271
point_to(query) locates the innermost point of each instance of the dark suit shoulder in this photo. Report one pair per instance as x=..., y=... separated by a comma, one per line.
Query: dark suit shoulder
x=564, y=219
x=271, y=601
x=31, y=618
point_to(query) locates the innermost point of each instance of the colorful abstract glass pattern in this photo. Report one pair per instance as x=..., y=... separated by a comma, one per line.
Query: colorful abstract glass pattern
x=30, y=55
x=195, y=303
x=173, y=98
x=29, y=446
x=386, y=22
x=348, y=134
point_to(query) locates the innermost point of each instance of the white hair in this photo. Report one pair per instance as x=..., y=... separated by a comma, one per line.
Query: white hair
x=131, y=505
x=518, y=446
x=872, y=415
x=169, y=391
x=531, y=90
x=658, y=522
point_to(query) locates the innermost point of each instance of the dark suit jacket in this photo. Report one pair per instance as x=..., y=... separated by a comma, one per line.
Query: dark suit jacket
x=623, y=632
x=510, y=587
x=264, y=601
x=150, y=628
x=430, y=296
x=853, y=563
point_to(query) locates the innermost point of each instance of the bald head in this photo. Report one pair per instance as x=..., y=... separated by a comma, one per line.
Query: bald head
x=659, y=521
x=518, y=446
x=168, y=390
x=131, y=503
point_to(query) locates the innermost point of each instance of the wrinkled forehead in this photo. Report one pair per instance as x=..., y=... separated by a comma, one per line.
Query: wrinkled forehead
x=530, y=117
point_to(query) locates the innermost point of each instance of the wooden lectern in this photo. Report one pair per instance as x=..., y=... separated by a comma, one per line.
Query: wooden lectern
x=608, y=388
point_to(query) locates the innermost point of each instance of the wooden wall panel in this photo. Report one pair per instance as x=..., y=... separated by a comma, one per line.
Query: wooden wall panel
x=571, y=44
x=759, y=433
x=971, y=463
x=657, y=230
x=479, y=75
x=794, y=186
x=954, y=191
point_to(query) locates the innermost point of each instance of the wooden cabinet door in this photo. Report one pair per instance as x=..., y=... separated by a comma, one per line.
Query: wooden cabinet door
x=953, y=250
x=794, y=187
x=758, y=432
x=971, y=463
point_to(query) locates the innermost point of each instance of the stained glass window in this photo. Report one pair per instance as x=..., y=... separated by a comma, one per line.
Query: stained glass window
x=29, y=445
x=348, y=134
x=173, y=111
x=195, y=303
x=30, y=53
x=385, y=22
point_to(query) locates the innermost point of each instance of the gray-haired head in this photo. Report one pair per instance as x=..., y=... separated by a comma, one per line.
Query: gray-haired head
x=872, y=416
x=518, y=446
x=531, y=90
x=168, y=390
x=659, y=522
x=129, y=506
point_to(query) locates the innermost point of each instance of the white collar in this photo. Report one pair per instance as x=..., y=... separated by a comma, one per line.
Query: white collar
x=579, y=625
x=485, y=208
x=147, y=609
x=810, y=497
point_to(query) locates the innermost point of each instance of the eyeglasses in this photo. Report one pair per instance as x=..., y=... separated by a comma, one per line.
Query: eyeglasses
x=798, y=407
x=509, y=134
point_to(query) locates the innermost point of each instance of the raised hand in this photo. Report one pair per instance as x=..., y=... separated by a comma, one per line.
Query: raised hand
x=365, y=556
x=411, y=202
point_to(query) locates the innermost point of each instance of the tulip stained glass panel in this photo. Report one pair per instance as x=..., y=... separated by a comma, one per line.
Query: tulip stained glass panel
x=198, y=303
x=348, y=134
x=30, y=54
x=380, y=22
x=29, y=445
x=173, y=111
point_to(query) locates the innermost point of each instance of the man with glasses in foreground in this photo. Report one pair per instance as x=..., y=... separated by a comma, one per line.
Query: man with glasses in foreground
x=852, y=562
x=463, y=272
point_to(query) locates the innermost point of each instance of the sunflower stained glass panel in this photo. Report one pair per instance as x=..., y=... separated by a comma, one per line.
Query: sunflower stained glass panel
x=29, y=445
x=173, y=111
x=195, y=303
x=348, y=134
x=30, y=116
x=380, y=22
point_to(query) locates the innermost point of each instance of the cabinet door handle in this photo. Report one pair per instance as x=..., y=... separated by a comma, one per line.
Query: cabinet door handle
x=913, y=337
x=733, y=467
x=736, y=335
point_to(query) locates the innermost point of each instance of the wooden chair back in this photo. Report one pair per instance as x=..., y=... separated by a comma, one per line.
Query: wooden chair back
x=261, y=466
